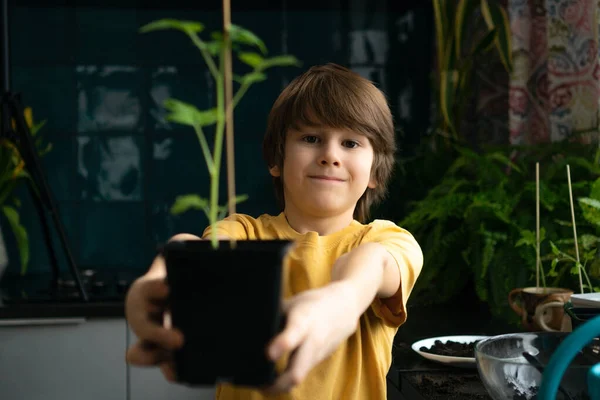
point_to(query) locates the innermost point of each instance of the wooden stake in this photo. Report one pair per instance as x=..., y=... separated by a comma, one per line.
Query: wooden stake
x=227, y=77
x=574, y=228
x=537, y=226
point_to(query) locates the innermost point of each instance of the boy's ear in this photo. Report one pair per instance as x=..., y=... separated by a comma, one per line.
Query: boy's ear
x=275, y=171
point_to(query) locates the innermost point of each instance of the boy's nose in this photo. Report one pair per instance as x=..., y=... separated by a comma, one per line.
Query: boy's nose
x=330, y=156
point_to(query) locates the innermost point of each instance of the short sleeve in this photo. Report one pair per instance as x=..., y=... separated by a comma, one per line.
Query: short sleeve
x=233, y=227
x=409, y=258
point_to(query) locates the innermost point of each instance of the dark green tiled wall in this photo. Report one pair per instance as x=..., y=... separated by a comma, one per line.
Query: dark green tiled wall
x=117, y=165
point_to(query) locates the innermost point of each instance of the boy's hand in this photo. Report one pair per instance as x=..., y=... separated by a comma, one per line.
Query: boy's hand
x=144, y=310
x=318, y=321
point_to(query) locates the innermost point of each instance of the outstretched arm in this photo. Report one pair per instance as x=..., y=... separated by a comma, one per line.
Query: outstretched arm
x=320, y=319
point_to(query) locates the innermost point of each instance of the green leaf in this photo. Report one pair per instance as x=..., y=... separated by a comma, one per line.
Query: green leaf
x=250, y=78
x=187, y=114
x=591, y=209
x=251, y=59
x=486, y=43
x=497, y=156
x=189, y=201
x=187, y=27
x=595, y=191
x=238, y=34
x=36, y=127
x=448, y=84
x=555, y=249
x=552, y=271
x=575, y=269
x=279, y=61
x=213, y=47
x=464, y=10
x=224, y=208
x=440, y=26
x=496, y=18
x=589, y=242
x=20, y=235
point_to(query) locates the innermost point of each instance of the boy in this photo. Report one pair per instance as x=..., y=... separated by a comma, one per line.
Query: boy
x=330, y=148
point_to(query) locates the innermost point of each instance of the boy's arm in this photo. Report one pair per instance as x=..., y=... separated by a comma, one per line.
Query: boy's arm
x=369, y=270
x=320, y=319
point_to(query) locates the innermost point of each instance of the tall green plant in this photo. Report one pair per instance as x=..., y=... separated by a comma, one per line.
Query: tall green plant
x=459, y=41
x=249, y=49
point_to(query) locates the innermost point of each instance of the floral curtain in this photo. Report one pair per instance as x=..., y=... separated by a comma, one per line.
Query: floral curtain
x=554, y=86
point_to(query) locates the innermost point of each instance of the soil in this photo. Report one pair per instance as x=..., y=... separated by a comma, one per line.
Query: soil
x=451, y=348
x=450, y=387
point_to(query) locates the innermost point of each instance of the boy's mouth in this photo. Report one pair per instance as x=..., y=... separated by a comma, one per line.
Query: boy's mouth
x=326, y=178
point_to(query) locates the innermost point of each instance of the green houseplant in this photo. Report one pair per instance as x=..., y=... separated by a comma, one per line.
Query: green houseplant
x=199, y=272
x=13, y=172
x=479, y=221
x=249, y=49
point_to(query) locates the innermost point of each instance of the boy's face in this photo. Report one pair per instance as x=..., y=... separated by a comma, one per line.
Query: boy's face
x=325, y=171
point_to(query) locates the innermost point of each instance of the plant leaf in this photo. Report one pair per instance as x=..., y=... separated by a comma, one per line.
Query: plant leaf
x=189, y=201
x=251, y=59
x=244, y=36
x=279, y=61
x=555, y=249
x=591, y=209
x=188, y=27
x=20, y=235
x=495, y=17
x=464, y=9
x=187, y=114
x=486, y=43
x=251, y=78
x=595, y=191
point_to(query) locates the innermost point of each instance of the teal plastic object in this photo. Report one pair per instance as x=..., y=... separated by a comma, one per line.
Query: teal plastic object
x=562, y=357
x=594, y=382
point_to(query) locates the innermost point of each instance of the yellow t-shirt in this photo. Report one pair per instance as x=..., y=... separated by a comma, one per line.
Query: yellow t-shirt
x=357, y=369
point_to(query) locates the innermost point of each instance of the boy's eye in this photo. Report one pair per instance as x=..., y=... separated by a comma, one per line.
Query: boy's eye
x=310, y=139
x=351, y=144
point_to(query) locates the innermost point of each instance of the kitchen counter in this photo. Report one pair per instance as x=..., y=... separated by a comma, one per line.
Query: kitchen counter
x=34, y=297
x=418, y=378
x=411, y=375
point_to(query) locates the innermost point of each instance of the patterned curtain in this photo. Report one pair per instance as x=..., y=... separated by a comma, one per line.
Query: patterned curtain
x=554, y=87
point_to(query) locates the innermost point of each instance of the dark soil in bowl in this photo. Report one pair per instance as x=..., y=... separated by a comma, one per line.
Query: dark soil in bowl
x=451, y=348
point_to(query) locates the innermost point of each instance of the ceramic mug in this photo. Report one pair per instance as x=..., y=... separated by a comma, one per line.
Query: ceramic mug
x=540, y=308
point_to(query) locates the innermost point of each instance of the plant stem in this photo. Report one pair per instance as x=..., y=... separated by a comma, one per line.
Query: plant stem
x=240, y=93
x=207, y=58
x=218, y=149
x=205, y=150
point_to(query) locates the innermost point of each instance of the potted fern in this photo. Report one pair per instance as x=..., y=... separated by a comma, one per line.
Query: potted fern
x=198, y=272
x=479, y=222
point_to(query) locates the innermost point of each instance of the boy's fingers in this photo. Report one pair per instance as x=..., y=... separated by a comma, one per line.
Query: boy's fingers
x=168, y=370
x=155, y=290
x=288, y=340
x=169, y=339
x=298, y=367
x=144, y=355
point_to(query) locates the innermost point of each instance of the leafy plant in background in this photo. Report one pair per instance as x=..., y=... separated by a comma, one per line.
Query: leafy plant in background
x=12, y=173
x=563, y=255
x=451, y=183
x=479, y=222
x=460, y=40
x=212, y=52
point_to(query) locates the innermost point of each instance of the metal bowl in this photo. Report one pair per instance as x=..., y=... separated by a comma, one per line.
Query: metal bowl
x=508, y=375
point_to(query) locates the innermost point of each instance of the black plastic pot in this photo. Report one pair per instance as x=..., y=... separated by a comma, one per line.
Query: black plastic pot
x=227, y=303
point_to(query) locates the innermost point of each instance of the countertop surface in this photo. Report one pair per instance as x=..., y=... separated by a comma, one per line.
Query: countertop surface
x=418, y=378
x=413, y=376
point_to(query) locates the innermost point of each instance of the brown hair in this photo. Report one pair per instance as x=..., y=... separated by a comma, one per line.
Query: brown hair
x=333, y=96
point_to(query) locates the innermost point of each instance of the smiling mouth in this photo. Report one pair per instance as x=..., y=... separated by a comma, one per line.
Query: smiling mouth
x=326, y=178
